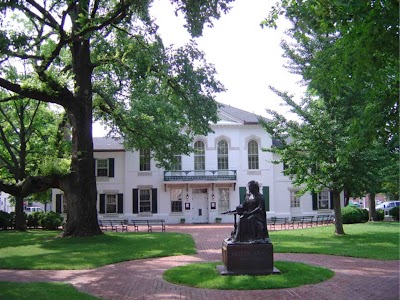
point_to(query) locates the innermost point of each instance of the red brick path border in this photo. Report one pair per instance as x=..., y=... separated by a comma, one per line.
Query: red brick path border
x=355, y=278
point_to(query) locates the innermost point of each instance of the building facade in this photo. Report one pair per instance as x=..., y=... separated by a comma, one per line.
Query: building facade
x=201, y=186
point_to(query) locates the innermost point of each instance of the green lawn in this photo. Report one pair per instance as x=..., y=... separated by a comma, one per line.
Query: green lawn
x=41, y=290
x=37, y=249
x=205, y=275
x=374, y=240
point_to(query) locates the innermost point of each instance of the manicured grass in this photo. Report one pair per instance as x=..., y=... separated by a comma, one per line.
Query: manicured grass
x=37, y=249
x=205, y=275
x=40, y=290
x=374, y=240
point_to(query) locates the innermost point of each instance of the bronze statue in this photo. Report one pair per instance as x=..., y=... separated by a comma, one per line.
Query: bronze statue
x=252, y=225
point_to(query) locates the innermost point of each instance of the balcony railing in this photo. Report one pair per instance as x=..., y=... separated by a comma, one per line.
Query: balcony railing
x=206, y=175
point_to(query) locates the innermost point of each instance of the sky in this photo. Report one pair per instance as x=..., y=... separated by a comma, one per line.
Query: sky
x=248, y=59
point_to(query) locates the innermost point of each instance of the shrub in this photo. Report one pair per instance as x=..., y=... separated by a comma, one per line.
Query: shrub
x=51, y=220
x=365, y=214
x=394, y=213
x=4, y=220
x=380, y=215
x=33, y=219
x=352, y=214
x=12, y=219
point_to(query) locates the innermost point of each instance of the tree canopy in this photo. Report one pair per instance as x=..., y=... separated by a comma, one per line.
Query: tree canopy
x=347, y=135
x=104, y=60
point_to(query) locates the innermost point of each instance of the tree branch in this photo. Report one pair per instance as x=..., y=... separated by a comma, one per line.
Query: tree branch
x=63, y=96
x=31, y=185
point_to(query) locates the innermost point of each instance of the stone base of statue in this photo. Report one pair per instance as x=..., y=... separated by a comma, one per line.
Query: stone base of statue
x=247, y=258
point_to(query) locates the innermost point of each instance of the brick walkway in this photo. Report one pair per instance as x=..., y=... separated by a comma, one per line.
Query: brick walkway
x=142, y=279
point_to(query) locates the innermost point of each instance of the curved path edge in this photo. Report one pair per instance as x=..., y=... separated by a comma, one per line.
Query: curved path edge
x=355, y=278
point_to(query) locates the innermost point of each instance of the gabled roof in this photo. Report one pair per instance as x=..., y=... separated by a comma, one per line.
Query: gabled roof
x=230, y=113
x=103, y=144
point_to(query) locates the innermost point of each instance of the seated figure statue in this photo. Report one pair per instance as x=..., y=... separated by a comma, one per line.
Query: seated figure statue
x=252, y=225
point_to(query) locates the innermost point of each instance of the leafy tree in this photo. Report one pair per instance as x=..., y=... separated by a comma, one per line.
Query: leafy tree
x=103, y=59
x=340, y=50
x=25, y=141
x=313, y=149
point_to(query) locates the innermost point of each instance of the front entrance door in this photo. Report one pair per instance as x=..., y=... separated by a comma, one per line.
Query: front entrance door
x=200, y=206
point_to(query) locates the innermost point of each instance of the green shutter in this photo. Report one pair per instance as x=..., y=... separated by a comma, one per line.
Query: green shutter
x=102, y=203
x=120, y=203
x=266, y=197
x=314, y=201
x=154, y=201
x=242, y=193
x=135, y=201
x=331, y=199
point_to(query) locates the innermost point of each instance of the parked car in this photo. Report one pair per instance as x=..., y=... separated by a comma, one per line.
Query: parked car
x=32, y=209
x=355, y=204
x=387, y=206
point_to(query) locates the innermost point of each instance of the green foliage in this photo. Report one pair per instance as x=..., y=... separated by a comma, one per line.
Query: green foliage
x=352, y=214
x=5, y=222
x=394, y=213
x=353, y=89
x=33, y=219
x=41, y=290
x=50, y=220
x=12, y=219
x=380, y=214
x=205, y=275
x=27, y=130
x=55, y=166
x=365, y=214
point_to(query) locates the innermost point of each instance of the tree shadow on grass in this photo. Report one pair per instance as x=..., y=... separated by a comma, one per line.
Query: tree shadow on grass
x=90, y=252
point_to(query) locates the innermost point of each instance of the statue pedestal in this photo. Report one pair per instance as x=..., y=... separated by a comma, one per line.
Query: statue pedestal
x=247, y=258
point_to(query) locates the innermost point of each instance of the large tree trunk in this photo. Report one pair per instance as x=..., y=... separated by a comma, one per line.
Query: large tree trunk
x=338, y=213
x=20, y=223
x=80, y=187
x=372, y=209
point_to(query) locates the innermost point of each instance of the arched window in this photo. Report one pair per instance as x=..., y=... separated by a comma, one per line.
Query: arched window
x=253, y=155
x=223, y=161
x=199, y=156
x=144, y=159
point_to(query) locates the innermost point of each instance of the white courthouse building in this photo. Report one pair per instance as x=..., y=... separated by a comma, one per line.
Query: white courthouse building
x=210, y=181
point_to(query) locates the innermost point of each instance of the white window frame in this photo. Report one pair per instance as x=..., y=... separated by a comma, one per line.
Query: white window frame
x=177, y=163
x=223, y=199
x=176, y=196
x=323, y=199
x=144, y=160
x=294, y=200
x=102, y=168
x=199, y=156
x=111, y=200
x=223, y=155
x=253, y=159
x=143, y=200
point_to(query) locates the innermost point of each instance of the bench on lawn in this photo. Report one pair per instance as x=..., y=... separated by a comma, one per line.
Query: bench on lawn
x=150, y=223
x=273, y=221
x=113, y=225
x=329, y=219
x=300, y=221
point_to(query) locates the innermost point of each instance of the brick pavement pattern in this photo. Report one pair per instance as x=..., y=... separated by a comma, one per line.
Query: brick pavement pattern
x=355, y=278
